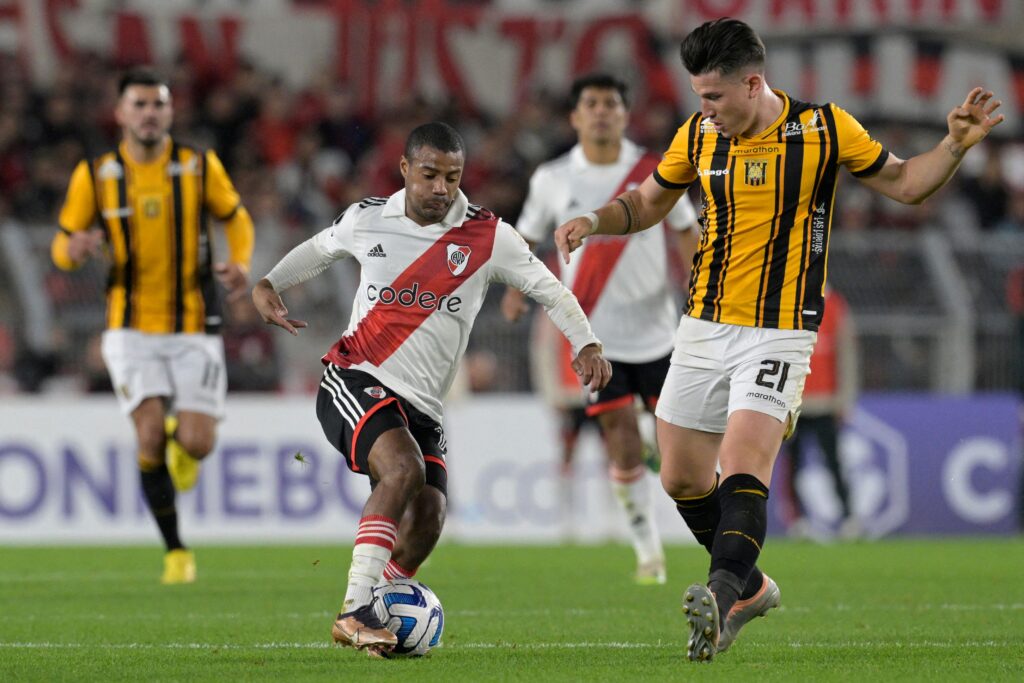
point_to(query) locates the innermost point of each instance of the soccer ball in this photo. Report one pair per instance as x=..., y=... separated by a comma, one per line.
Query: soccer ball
x=412, y=612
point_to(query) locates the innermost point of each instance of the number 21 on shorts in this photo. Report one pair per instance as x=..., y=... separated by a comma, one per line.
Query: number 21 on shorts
x=770, y=370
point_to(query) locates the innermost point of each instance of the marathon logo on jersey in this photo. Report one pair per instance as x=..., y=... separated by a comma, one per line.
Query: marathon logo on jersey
x=458, y=258
x=409, y=297
x=756, y=171
x=376, y=392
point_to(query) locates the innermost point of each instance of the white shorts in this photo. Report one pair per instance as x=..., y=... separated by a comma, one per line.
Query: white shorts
x=718, y=369
x=188, y=369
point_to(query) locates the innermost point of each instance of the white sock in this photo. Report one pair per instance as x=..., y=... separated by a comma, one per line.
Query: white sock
x=633, y=493
x=375, y=540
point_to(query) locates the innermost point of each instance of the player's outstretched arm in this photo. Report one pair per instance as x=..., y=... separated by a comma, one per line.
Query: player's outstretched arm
x=592, y=367
x=272, y=309
x=914, y=180
x=632, y=211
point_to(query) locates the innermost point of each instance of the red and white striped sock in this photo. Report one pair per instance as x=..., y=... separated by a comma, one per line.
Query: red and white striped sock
x=375, y=540
x=395, y=571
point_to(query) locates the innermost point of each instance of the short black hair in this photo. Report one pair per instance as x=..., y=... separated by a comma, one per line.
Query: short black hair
x=723, y=45
x=436, y=134
x=598, y=80
x=139, y=76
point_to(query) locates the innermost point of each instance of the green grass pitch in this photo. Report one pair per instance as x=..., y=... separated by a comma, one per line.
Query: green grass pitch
x=932, y=610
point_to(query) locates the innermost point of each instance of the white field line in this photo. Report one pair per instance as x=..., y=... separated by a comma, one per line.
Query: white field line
x=148, y=576
x=872, y=645
x=470, y=614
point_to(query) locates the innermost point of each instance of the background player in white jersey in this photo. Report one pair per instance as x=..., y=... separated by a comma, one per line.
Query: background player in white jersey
x=621, y=285
x=427, y=258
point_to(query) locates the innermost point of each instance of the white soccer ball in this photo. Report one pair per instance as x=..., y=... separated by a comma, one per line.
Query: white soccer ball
x=412, y=612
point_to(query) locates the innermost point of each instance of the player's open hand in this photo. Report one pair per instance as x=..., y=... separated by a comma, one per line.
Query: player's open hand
x=272, y=308
x=592, y=367
x=234, y=277
x=513, y=304
x=570, y=235
x=971, y=121
x=83, y=244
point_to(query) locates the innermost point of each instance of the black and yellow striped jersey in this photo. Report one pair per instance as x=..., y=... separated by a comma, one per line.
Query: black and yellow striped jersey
x=155, y=220
x=768, y=202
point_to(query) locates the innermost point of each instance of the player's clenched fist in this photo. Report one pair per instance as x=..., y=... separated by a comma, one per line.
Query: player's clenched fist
x=592, y=367
x=570, y=235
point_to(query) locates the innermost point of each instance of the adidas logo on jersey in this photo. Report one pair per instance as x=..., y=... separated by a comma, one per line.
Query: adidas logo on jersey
x=377, y=251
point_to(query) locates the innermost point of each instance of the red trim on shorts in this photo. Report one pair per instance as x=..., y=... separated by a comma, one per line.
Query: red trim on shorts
x=434, y=458
x=652, y=403
x=366, y=416
x=608, y=406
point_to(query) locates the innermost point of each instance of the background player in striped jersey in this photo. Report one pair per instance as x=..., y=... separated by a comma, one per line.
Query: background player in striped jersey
x=153, y=196
x=427, y=257
x=620, y=283
x=768, y=167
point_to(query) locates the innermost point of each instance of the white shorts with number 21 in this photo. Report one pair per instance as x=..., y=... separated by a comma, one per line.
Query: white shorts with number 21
x=719, y=368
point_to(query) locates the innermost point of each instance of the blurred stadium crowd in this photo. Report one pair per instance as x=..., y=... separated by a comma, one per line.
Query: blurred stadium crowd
x=299, y=157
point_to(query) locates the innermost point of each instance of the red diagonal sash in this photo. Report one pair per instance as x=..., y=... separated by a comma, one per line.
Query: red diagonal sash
x=385, y=327
x=602, y=252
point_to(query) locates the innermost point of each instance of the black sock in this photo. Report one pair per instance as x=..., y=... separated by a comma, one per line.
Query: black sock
x=159, y=492
x=702, y=515
x=744, y=501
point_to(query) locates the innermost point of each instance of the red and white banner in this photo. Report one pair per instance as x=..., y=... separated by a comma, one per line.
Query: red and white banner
x=892, y=58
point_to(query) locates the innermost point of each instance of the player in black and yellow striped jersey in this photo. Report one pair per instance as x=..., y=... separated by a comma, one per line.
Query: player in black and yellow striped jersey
x=153, y=199
x=768, y=168
x=768, y=210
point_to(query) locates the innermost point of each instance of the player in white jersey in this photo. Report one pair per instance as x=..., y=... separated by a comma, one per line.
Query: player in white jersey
x=427, y=258
x=621, y=284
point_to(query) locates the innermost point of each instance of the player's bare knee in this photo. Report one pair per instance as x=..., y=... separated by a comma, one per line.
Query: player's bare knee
x=151, y=439
x=684, y=484
x=197, y=441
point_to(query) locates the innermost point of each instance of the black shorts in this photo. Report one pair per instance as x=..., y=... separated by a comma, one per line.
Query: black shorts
x=629, y=380
x=354, y=409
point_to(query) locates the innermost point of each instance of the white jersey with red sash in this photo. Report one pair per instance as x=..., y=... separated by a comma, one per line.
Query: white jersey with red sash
x=421, y=289
x=621, y=282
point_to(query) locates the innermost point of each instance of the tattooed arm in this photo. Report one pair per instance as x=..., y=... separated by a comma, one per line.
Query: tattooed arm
x=632, y=211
